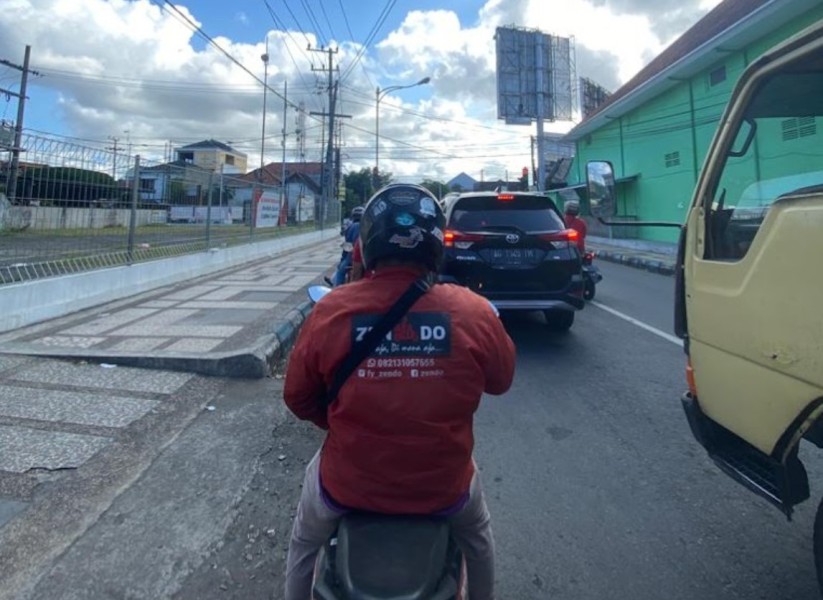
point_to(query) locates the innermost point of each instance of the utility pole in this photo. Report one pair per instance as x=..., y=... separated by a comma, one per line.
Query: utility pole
x=11, y=188
x=326, y=173
x=327, y=178
x=283, y=218
x=114, y=149
x=541, y=152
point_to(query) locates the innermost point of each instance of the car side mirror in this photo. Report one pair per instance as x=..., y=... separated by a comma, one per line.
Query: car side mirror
x=600, y=187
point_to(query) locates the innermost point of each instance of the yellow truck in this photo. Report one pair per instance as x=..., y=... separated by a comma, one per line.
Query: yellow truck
x=749, y=280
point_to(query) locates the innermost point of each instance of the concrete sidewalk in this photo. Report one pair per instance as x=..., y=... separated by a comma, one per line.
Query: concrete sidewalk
x=233, y=323
x=651, y=256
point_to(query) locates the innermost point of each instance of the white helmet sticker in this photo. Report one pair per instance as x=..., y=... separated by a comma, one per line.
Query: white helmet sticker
x=408, y=241
x=427, y=207
x=379, y=207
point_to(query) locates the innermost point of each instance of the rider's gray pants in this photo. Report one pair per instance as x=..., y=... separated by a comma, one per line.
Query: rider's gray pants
x=315, y=522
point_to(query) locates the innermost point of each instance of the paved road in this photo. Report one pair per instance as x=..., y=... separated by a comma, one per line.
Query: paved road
x=596, y=487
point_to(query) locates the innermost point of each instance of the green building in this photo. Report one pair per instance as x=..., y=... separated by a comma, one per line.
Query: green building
x=657, y=128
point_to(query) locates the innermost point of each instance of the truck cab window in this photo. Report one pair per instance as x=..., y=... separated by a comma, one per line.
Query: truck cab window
x=776, y=154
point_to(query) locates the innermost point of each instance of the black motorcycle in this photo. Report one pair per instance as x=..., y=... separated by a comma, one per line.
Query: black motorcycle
x=591, y=275
x=383, y=557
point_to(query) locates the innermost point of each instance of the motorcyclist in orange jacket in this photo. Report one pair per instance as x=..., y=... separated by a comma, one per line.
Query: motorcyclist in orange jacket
x=400, y=433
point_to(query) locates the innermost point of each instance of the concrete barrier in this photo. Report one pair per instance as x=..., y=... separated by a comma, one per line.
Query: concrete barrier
x=34, y=301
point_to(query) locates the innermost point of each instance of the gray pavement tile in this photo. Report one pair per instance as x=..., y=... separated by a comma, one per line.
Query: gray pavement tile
x=72, y=407
x=159, y=303
x=191, y=292
x=193, y=345
x=68, y=341
x=22, y=449
x=11, y=362
x=239, y=316
x=137, y=344
x=9, y=509
x=107, y=322
x=227, y=304
x=261, y=296
x=95, y=376
x=225, y=293
x=214, y=331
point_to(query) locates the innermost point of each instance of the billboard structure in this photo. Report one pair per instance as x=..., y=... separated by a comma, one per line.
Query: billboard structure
x=535, y=76
x=592, y=96
x=536, y=81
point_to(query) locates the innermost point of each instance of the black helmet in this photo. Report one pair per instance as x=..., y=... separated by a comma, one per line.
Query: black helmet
x=357, y=213
x=405, y=222
x=572, y=207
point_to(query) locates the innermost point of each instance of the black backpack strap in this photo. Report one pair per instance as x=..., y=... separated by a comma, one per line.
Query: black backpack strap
x=372, y=339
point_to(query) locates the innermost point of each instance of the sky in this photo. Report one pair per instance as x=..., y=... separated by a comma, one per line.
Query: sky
x=139, y=71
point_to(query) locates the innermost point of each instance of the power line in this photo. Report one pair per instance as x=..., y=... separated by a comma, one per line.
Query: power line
x=297, y=23
x=370, y=38
x=227, y=54
x=328, y=22
x=282, y=25
x=314, y=22
x=351, y=37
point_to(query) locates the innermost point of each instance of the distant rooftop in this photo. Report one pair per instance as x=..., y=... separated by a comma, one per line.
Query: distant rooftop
x=206, y=144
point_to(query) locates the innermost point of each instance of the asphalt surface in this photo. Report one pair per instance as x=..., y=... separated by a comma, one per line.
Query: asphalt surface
x=596, y=487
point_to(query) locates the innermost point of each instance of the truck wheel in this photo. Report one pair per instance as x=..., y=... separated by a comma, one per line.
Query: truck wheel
x=818, y=544
x=559, y=320
x=588, y=290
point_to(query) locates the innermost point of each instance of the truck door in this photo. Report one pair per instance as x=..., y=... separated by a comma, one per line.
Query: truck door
x=754, y=256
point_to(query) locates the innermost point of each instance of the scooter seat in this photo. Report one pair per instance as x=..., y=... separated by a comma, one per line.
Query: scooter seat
x=383, y=557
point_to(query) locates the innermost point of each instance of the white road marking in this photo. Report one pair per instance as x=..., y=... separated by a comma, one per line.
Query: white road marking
x=666, y=336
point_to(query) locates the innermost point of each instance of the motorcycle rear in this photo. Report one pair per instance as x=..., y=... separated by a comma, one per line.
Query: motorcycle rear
x=387, y=557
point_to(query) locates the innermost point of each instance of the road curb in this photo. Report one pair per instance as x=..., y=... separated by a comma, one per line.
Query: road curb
x=254, y=362
x=661, y=267
x=284, y=336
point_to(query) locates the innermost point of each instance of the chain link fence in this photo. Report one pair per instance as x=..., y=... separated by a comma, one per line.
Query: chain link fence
x=76, y=208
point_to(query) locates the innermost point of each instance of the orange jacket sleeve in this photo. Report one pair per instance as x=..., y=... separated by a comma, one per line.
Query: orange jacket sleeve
x=305, y=387
x=500, y=353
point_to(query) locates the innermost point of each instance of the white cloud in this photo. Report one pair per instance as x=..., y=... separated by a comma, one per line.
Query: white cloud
x=190, y=93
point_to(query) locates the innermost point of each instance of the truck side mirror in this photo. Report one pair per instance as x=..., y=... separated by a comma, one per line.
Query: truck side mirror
x=600, y=185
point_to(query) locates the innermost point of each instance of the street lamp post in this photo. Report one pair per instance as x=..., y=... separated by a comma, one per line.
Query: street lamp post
x=265, y=58
x=378, y=96
x=253, y=206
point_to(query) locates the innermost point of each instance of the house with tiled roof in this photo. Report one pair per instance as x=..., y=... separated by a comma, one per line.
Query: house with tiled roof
x=302, y=183
x=656, y=129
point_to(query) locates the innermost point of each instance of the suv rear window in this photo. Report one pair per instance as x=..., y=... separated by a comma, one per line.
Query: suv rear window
x=527, y=213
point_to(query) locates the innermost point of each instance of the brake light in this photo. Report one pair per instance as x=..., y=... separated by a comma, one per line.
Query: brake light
x=690, y=378
x=453, y=238
x=505, y=197
x=566, y=235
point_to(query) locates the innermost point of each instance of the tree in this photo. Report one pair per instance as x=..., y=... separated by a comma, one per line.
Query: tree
x=438, y=188
x=360, y=187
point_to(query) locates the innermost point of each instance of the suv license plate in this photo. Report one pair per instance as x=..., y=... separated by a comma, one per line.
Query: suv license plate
x=514, y=256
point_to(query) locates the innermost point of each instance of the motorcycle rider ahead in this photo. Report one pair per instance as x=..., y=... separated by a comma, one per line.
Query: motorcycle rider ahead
x=573, y=221
x=350, y=236
x=400, y=435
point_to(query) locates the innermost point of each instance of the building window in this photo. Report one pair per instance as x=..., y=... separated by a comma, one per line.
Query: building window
x=147, y=185
x=718, y=75
x=798, y=127
x=186, y=156
x=672, y=159
x=229, y=159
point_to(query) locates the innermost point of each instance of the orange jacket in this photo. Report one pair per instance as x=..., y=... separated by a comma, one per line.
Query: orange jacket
x=579, y=225
x=400, y=431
